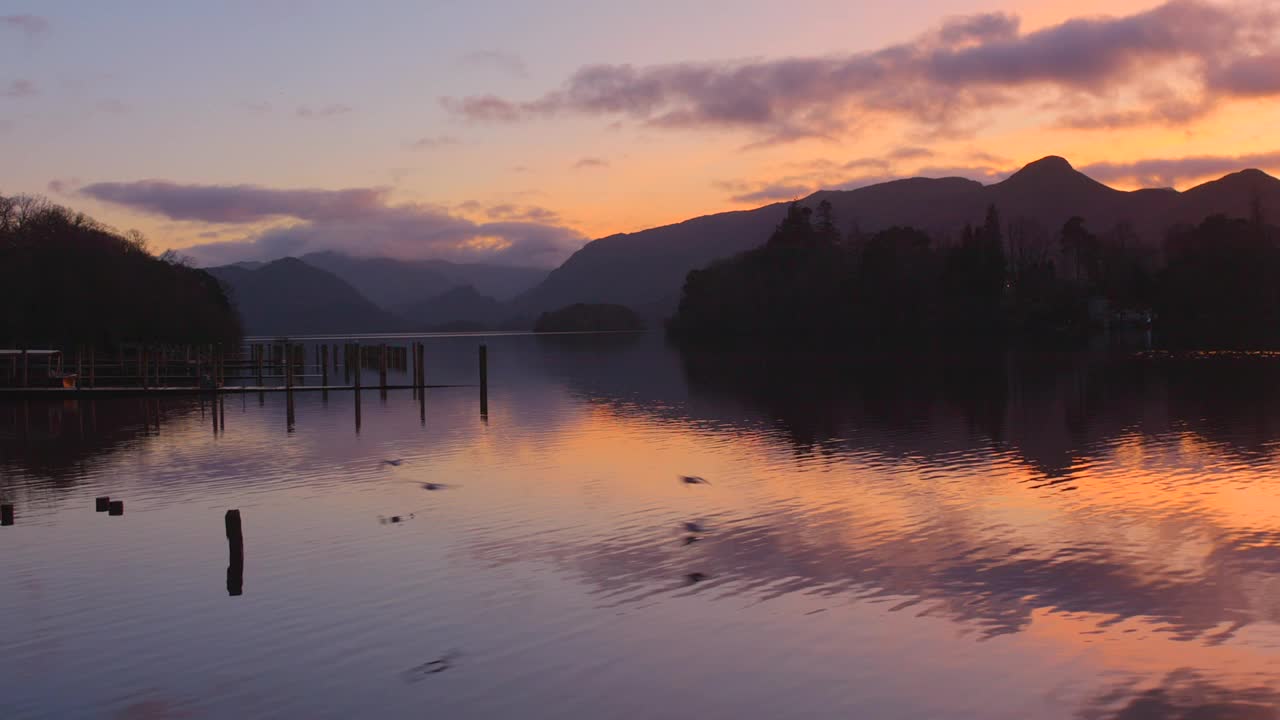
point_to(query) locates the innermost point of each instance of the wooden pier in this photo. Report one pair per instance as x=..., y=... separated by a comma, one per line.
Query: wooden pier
x=280, y=366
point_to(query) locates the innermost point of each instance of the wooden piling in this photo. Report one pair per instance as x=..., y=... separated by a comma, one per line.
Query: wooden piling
x=235, y=547
x=101, y=504
x=324, y=365
x=382, y=366
x=116, y=508
x=93, y=367
x=422, y=365
x=484, y=380
x=355, y=354
x=6, y=515
x=26, y=367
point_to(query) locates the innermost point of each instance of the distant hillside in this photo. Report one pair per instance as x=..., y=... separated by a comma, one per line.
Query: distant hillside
x=589, y=318
x=461, y=306
x=288, y=296
x=392, y=283
x=647, y=269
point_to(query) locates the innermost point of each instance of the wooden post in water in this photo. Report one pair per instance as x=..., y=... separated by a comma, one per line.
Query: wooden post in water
x=6, y=515
x=484, y=380
x=382, y=366
x=355, y=353
x=257, y=356
x=101, y=504
x=235, y=544
x=93, y=367
x=324, y=365
x=26, y=367
x=116, y=508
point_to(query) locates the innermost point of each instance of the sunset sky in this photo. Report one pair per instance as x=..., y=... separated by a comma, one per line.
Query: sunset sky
x=514, y=131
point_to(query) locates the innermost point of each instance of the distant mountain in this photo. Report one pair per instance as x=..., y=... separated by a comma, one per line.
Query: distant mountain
x=647, y=269
x=288, y=296
x=461, y=306
x=396, y=283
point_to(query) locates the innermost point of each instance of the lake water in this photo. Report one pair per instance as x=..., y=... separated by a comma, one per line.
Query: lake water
x=1010, y=536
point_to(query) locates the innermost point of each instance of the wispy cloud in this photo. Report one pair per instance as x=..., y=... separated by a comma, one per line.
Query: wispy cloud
x=63, y=186
x=359, y=221
x=1169, y=172
x=31, y=25
x=964, y=70
x=237, y=203
x=498, y=60
x=19, y=89
x=323, y=111
x=588, y=163
x=432, y=142
x=523, y=213
x=800, y=179
x=772, y=192
x=910, y=153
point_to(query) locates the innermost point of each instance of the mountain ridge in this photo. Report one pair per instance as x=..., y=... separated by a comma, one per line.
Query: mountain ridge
x=649, y=266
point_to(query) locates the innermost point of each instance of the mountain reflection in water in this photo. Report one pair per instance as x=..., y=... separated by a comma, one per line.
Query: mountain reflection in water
x=1095, y=534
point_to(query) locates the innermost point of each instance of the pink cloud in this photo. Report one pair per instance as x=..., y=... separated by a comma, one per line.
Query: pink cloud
x=324, y=111
x=967, y=67
x=358, y=221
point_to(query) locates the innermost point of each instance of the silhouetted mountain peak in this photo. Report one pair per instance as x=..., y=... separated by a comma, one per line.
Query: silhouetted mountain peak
x=1052, y=174
x=1050, y=164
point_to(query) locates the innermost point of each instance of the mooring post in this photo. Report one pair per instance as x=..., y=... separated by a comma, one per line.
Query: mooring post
x=484, y=380
x=356, y=398
x=102, y=504
x=257, y=352
x=93, y=367
x=382, y=366
x=324, y=365
x=26, y=367
x=235, y=544
x=115, y=508
x=355, y=373
x=6, y=515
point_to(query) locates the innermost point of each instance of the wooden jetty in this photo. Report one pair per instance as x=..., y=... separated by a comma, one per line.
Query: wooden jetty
x=280, y=366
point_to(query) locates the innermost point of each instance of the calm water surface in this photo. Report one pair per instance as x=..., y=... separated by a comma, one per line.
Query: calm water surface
x=1015, y=536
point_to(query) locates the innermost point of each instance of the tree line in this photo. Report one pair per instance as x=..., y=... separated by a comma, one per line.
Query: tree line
x=1216, y=283
x=68, y=280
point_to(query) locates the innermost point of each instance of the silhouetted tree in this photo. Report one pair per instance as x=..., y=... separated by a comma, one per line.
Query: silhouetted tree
x=1221, y=283
x=824, y=226
x=68, y=280
x=1082, y=247
x=796, y=228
